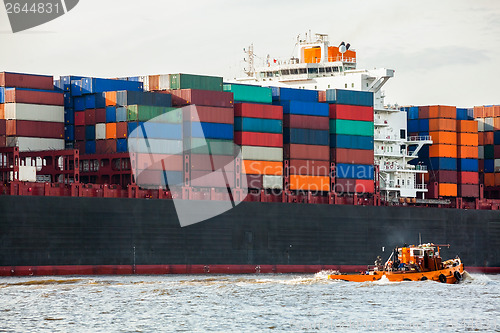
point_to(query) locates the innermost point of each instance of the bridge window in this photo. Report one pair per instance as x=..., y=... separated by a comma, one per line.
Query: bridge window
x=294, y=71
x=322, y=69
x=312, y=70
x=262, y=75
x=328, y=69
x=285, y=72
x=269, y=74
x=335, y=69
x=302, y=71
x=277, y=73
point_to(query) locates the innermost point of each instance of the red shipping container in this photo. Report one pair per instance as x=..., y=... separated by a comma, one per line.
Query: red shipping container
x=212, y=179
x=352, y=156
x=264, y=111
x=307, y=152
x=465, y=177
x=255, y=181
x=80, y=133
x=345, y=185
x=28, y=81
x=35, y=129
x=479, y=112
x=442, y=176
x=100, y=115
x=309, y=168
x=489, y=138
x=489, y=111
x=468, y=191
x=111, y=145
x=121, y=130
x=80, y=145
x=322, y=96
x=351, y=112
x=481, y=165
x=365, y=186
x=308, y=122
x=2, y=127
x=480, y=138
x=34, y=97
x=258, y=139
x=200, y=162
x=209, y=114
x=3, y=141
x=80, y=118
x=100, y=147
x=201, y=97
x=156, y=161
x=423, y=112
x=90, y=117
x=497, y=151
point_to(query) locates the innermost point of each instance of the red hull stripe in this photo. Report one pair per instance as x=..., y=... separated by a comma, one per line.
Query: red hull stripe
x=189, y=269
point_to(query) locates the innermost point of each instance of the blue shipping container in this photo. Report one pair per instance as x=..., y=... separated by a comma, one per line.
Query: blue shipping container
x=95, y=101
x=349, y=97
x=305, y=136
x=90, y=132
x=442, y=163
x=76, y=88
x=413, y=126
x=489, y=166
x=69, y=133
x=90, y=147
x=351, y=142
x=468, y=164
x=2, y=95
x=354, y=171
x=258, y=125
x=209, y=130
x=293, y=94
x=305, y=108
x=69, y=116
x=121, y=114
x=496, y=136
x=68, y=100
x=124, y=98
x=155, y=130
x=110, y=114
x=413, y=112
x=79, y=103
x=423, y=125
x=121, y=145
x=66, y=81
x=461, y=114
x=95, y=85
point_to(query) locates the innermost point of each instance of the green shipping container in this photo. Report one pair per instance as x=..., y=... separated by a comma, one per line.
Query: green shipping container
x=489, y=152
x=210, y=146
x=190, y=81
x=146, y=113
x=252, y=94
x=351, y=127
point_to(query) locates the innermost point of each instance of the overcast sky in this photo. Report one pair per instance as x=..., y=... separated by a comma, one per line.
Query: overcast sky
x=443, y=51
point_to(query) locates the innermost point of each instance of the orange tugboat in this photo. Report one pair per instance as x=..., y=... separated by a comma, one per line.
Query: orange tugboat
x=410, y=263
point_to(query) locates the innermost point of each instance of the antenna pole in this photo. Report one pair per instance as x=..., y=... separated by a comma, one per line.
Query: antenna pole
x=419, y=238
x=251, y=56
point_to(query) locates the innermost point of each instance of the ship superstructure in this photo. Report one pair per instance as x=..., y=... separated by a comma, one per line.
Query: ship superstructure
x=320, y=66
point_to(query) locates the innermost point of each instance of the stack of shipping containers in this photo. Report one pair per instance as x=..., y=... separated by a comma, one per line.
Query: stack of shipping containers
x=467, y=155
x=488, y=118
x=306, y=139
x=31, y=112
x=441, y=157
x=351, y=140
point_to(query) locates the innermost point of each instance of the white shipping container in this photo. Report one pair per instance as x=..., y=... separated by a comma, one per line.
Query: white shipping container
x=262, y=153
x=488, y=124
x=165, y=82
x=35, y=144
x=480, y=124
x=34, y=112
x=272, y=182
x=497, y=165
x=26, y=174
x=145, y=82
x=100, y=131
x=480, y=154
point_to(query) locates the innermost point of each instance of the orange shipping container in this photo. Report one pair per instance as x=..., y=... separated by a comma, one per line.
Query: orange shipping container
x=154, y=82
x=111, y=131
x=442, y=125
x=489, y=179
x=447, y=190
x=497, y=179
x=443, y=151
x=489, y=138
x=467, y=152
x=2, y=111
x=467, y=126
x=262, y=168
x=309, y=183
x=467, y=139
x=442, y=111
x=489, y=111
x=496, y=123
x=110, y=97
x=448, y=138
x=480, y=138
x=479, y=112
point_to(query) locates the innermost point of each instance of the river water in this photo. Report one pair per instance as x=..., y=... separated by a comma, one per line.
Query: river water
x=246, y=303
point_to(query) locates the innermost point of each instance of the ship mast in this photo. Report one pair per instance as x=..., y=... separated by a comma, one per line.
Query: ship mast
x=251, y=65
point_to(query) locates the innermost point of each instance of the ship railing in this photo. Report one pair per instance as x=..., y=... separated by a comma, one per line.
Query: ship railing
x=419, y=138
x=421, y=167
x=421, y=186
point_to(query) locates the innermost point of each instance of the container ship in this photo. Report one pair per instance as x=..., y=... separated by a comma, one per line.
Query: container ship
x=297, y=167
